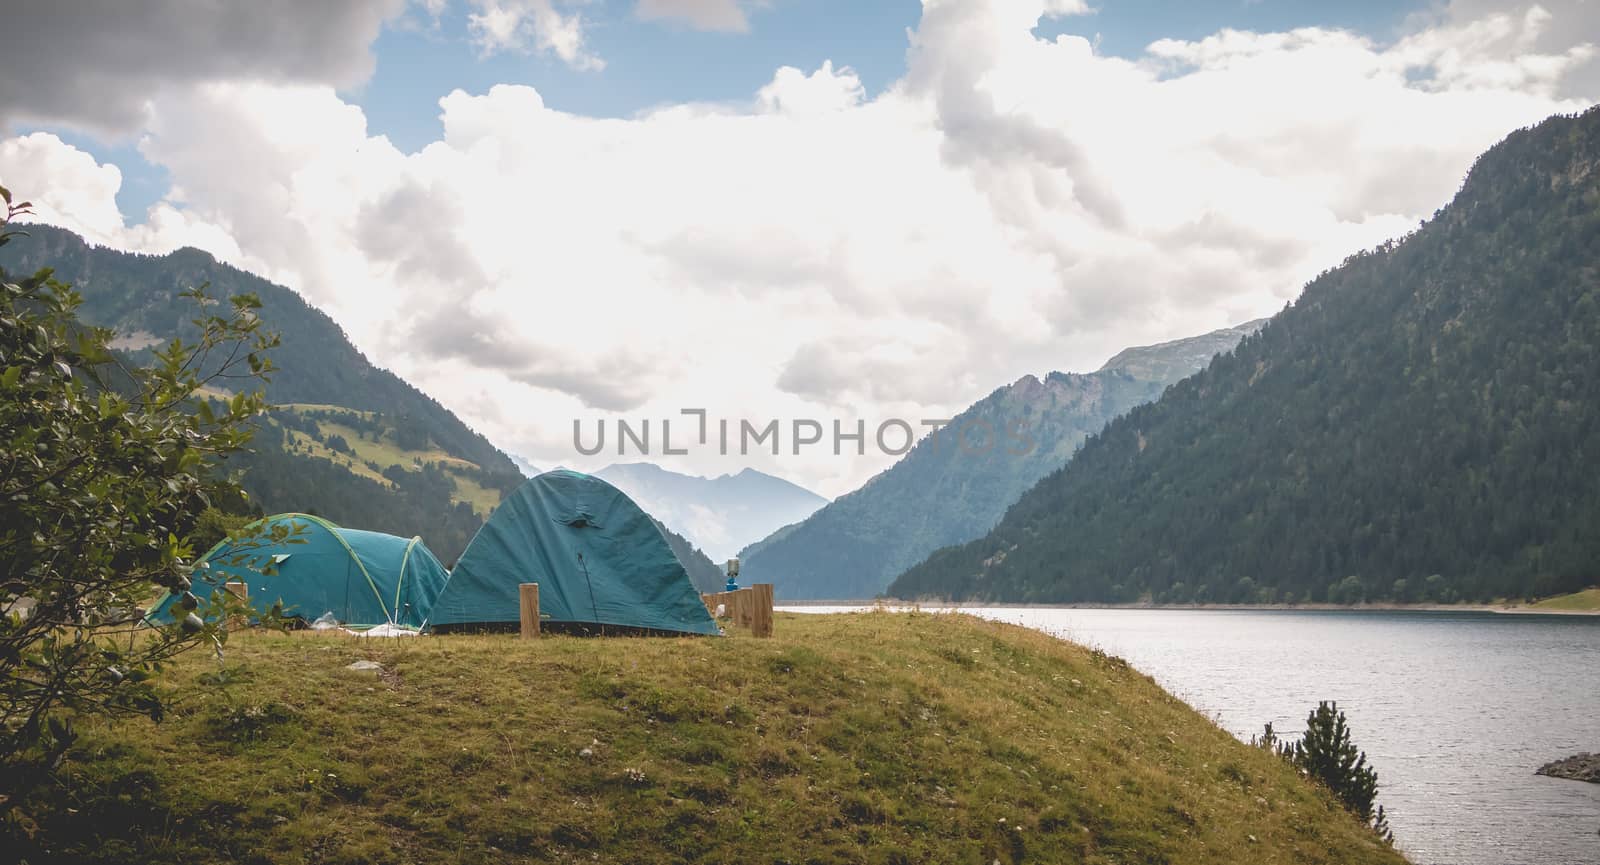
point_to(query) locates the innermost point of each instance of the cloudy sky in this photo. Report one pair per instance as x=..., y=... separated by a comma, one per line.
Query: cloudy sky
x=542, y=211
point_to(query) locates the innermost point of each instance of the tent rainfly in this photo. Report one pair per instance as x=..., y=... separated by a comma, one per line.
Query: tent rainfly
x=598, y=560
x=362, y=578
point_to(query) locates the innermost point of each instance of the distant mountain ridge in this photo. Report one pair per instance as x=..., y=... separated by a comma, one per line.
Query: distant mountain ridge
x=1423, y=423
x=528, y=469
x=1179, y=358
x=719, y=515
x=355, y=443
x=706, y=575
x=943, y=492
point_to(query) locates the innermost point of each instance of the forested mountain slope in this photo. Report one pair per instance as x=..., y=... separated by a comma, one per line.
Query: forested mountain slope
x=1423, y=423
x=946, y=490
x=352, y=442
x=704, y=573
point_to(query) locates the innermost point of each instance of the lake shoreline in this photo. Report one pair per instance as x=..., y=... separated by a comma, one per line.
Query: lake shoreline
x=1508, y=609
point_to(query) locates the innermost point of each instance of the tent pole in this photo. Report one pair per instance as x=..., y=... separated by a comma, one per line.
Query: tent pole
x=594, y=609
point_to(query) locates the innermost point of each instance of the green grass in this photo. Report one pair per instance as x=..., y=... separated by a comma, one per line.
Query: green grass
x=869, y=737
x=385, y=453
x=1588, y=599
x=303, y=407
x=483, y=499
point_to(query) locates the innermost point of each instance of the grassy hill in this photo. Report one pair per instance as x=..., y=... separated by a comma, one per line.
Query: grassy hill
x=872, y=737
x=362, y=443
x=359, y=470
x=1583, y=601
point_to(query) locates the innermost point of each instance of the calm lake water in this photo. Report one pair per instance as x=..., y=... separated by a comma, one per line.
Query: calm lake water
x=1454, y=709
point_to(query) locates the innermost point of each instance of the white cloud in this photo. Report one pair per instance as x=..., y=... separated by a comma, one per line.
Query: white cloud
x=1013, y=205
x=68, y=187
x=79, y=192
x=1497, y=51
x=824, y=91
x=723, y=15
x=97, y=66
x=528, y=26
x=1550, y=28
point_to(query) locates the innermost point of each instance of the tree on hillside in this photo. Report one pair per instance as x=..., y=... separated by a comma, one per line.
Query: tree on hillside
x=1326, y=754
x=104, y=472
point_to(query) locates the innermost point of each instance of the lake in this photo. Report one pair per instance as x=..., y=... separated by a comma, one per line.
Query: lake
x=1454, y=709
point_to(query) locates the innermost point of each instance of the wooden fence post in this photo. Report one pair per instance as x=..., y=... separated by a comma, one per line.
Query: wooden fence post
x=745, y=606
x=241, y=590
x=528, y=594
x=761, y=619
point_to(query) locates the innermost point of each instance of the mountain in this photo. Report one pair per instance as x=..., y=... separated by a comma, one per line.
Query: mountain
x=720, y=515
x=528, y=469
x=350, y=441
x=1173, y=361
x=946, y=491
x=706, y=575
x=1423, y=423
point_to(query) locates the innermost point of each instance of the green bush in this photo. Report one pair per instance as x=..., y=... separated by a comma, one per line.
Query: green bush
x=106, y=470
x=1326, y=754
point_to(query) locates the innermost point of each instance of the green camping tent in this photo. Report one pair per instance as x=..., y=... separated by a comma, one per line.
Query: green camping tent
x=598, y=560
x=362, y=578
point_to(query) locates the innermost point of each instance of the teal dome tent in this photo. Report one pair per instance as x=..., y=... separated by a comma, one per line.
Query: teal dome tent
x=362, y=578
x=598, y=559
